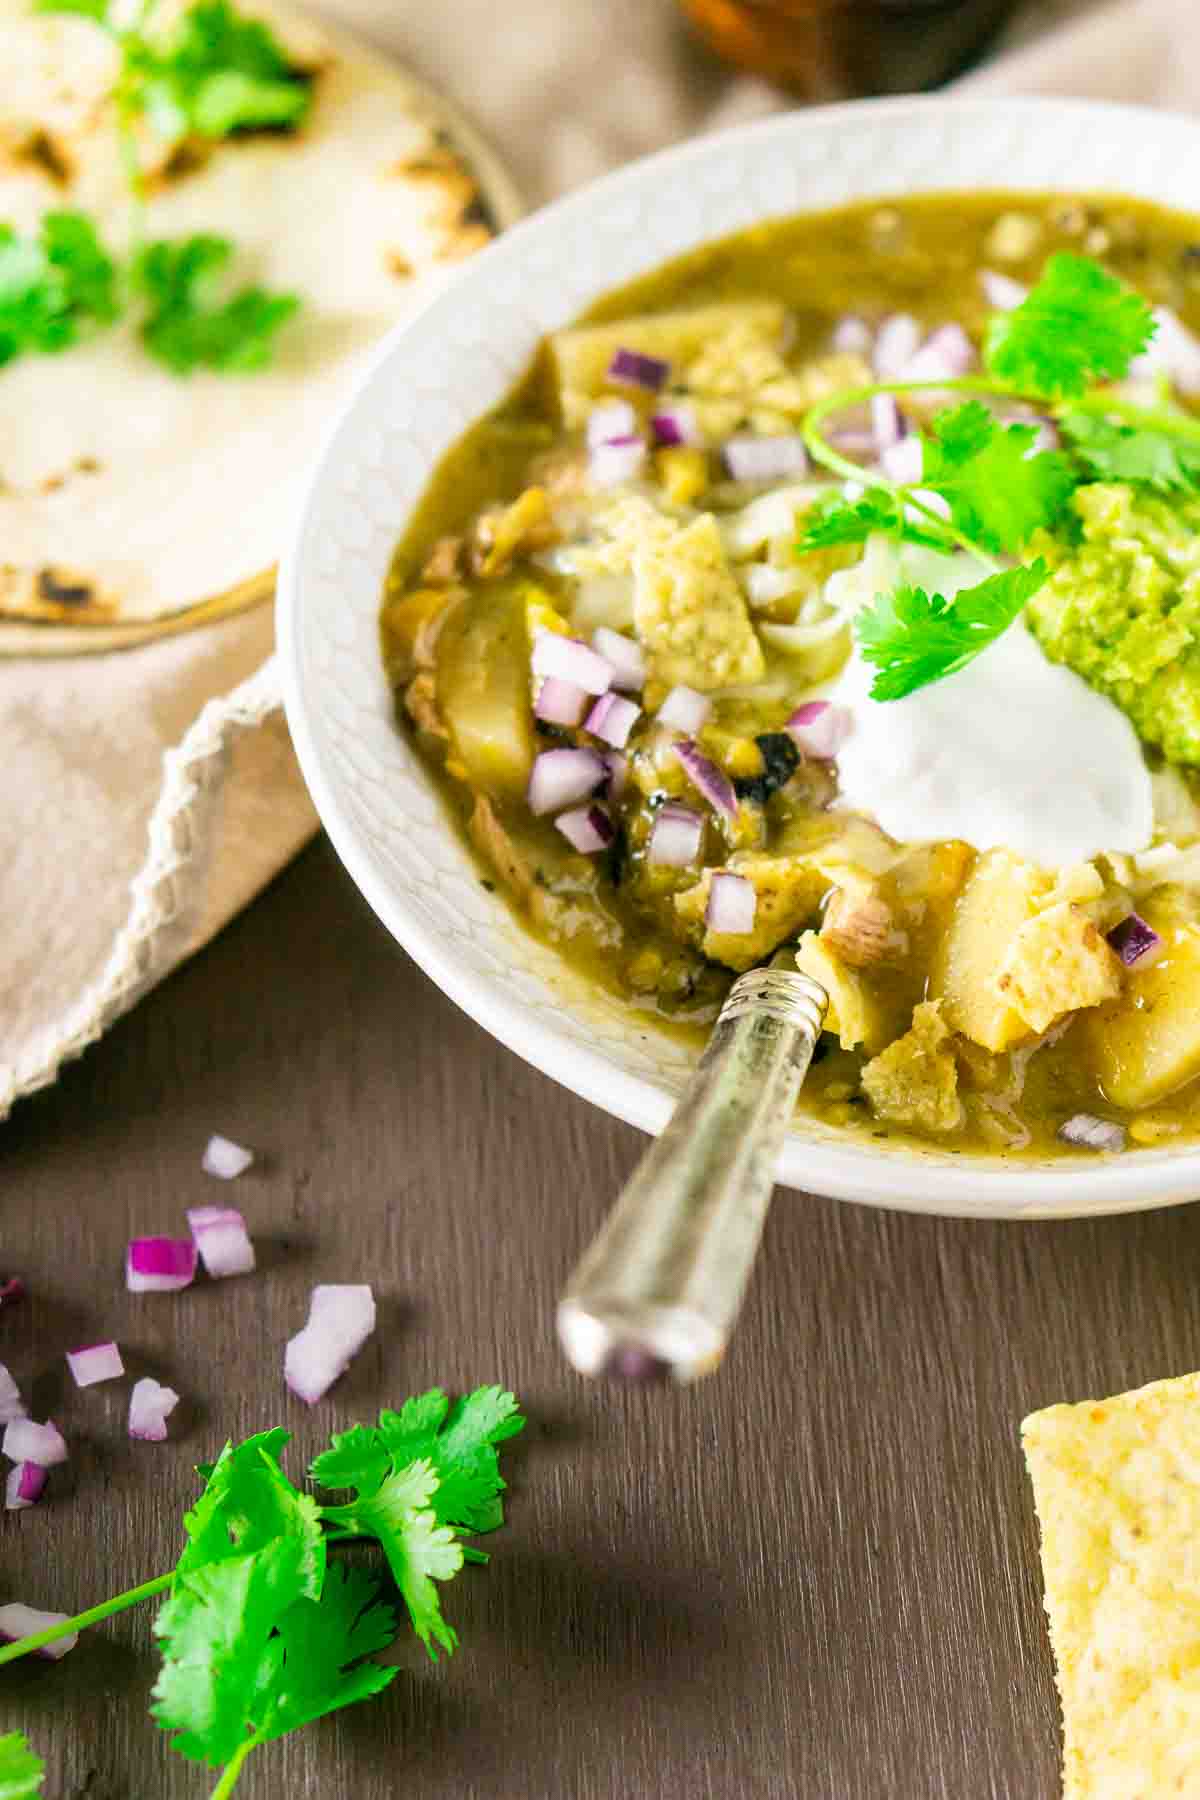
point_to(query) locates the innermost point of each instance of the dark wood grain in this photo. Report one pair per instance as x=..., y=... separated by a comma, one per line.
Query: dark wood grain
x=814, y=1575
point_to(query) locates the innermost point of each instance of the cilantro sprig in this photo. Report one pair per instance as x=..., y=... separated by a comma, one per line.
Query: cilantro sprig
x=215, y=74
x=984, y=486
x=261, y=1632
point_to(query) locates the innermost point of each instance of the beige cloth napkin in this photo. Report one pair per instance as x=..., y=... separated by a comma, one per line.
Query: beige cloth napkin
x=147, y=795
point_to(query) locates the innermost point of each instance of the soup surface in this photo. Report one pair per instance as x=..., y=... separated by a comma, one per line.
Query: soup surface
x=834, y=594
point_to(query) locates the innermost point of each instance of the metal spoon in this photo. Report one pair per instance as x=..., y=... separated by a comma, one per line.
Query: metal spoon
x=659, y=1290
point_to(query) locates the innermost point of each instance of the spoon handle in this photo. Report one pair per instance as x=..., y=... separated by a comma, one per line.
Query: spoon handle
x=659, y=1290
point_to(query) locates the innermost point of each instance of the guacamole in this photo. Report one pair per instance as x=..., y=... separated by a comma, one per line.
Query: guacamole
x=1122, y=608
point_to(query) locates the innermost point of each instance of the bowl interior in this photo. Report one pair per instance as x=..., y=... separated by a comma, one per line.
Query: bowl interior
x=436, y=374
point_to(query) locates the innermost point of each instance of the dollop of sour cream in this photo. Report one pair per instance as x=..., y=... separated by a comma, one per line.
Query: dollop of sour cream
x=1013, y=751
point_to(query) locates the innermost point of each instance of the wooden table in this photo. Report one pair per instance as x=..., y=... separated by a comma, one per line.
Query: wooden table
x=813, y=1575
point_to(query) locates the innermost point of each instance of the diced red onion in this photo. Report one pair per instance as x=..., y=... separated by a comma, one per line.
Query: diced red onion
x=676, y=425
x=618, y=461
x=567, y=659
x=587, y=828
x=1001, y=291
x=11, y=1405
x=633, y=368
x=624, y=657
x=1173, y=351
x=150, y=1406
x=852, y=440
x=24, y=1486
x=11, y=1290
x=99, y=1362
x=1087, y=1132
x=1136, y=943
x=675, y=837
x=159, y=1265
x=902, y=462
x=852, y=336
x=887, y=425
x=561, y=777
x=751, y=458
x=732, y=904
x=19, y=1621
x=340, y=1320
x=612, y=422
x=613, y=718
x=896, y=343
x=225, y=1159
x=685, y=710
x=819, y=729
x=618, y=773
x=26, y=1441
x=560, y=702
x=221, y=1238
x=707, y=779
x=946, y=354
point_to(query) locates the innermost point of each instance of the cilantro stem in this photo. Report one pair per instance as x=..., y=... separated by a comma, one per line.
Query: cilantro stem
x=132, y=1597
x=233, y=1768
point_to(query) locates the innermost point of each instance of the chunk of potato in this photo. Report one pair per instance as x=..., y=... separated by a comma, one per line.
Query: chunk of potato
x=1145, y=1045
x=483, y=688
x=580, y=358
x=994, y=904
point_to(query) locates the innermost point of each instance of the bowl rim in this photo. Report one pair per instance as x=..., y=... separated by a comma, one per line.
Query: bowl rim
x=845, y=1171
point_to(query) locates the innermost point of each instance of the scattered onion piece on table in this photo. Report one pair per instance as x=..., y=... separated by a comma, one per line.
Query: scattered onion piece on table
x=150, y=1406
x=685, y=710
x=26, y=1441
x=732, y=904
x=222, y=1241
x=24, y=1487
x=98, y=1362
x=819, y=728
x=159, y=1265
x=1136, y=943
x=340, y=1320
x=11, y=1290
x=11, y=1404
x=1086, y=1132
x=225, y=1159
x=20, y=1621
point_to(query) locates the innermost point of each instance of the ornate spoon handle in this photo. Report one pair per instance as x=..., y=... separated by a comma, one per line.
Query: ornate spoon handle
x=659, y=1290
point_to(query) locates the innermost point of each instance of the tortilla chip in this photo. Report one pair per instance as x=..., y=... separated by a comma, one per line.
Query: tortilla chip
x=132, y=499
x=1117, y=1488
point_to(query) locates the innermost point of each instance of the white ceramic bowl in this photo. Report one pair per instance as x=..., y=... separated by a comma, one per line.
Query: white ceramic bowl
x=437, y=373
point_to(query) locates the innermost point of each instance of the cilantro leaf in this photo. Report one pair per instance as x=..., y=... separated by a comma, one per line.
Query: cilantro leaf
x=219, y=1663
x=21, y=1772
x=53, y=287
x=319, y=1641
x=914, y=638
x=1000, y=490
x=219, y=73
x=186, y=330
x=1078, y=324
x=247, y=1504
x=88, y=9
x=419, y=1550
x=833, y=520
x=1114, y=452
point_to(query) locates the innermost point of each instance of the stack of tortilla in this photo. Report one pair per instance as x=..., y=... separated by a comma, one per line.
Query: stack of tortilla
x=134, y=501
